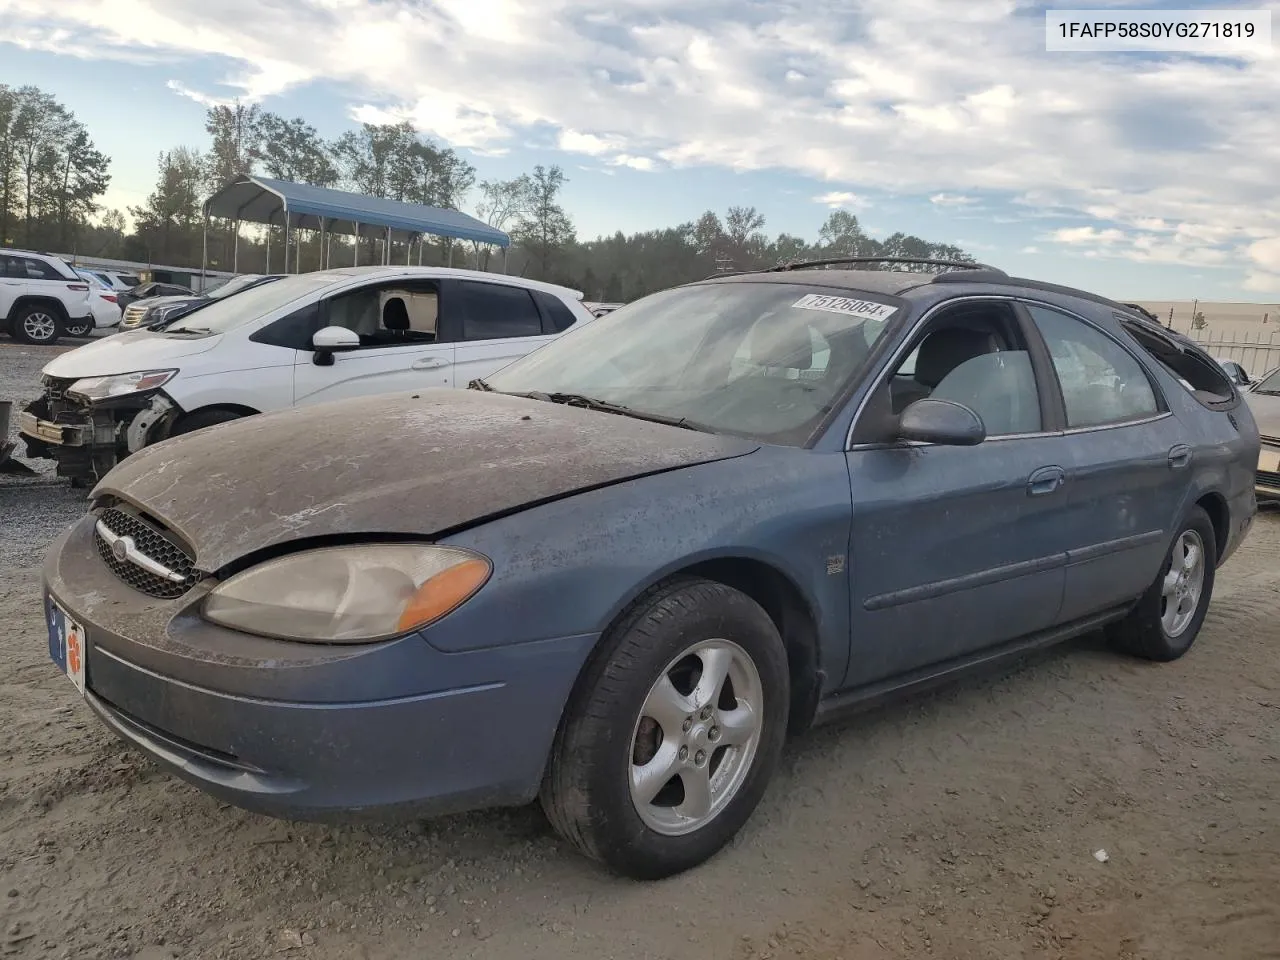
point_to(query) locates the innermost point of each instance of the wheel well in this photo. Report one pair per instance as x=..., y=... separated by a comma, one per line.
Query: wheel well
x=23, y=302
x=790, y=613
x=235, y=408
x=1216, y=507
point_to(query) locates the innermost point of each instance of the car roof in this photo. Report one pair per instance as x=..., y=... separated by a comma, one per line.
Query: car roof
x=891, y=282
x=897, y=283
x=392, y=271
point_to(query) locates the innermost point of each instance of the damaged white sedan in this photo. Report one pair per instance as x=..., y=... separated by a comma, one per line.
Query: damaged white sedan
x=307, y=338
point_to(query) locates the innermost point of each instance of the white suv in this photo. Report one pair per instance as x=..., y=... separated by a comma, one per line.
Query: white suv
x=304, y=338
x=41, y=298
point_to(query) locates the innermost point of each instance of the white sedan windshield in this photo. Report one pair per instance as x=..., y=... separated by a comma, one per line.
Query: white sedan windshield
x=228, y=313
x=766, y=360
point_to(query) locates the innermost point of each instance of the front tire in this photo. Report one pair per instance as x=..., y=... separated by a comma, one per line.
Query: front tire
x=672, y=734
x=1166, y=621
x=38, y=325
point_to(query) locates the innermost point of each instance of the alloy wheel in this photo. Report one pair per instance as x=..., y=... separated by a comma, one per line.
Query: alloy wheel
x=696, y=737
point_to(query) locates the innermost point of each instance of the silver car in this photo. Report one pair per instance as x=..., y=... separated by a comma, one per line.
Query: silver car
x=1264, y=400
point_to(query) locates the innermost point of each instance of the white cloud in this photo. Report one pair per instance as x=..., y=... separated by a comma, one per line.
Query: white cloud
x=204, y=99
x=921, y=98
x=838, y=199
x=1030, y=250
x=1266, y=254
x=1088, y=235
x=951, y=200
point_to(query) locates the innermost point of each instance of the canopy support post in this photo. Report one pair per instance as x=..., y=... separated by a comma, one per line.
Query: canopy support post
x=204, y=251
x=269, y=225
x=235, y=250
x=355, y=251
x=286, y=238
x=386, y=249
x=505, y=251
x=450, y=253
x=422, y=240
x=324, y=243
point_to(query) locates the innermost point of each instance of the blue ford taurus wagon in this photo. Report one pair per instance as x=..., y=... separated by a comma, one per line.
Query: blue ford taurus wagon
x=617, y=574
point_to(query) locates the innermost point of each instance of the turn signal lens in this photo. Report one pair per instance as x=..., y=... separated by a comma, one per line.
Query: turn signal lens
x=442, y=593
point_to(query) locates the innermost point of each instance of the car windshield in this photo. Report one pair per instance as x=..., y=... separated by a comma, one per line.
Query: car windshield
x=228, y=313
x=1269, y=384
x=765, y=360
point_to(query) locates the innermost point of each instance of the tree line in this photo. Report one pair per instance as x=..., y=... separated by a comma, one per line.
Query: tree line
x=52, y=179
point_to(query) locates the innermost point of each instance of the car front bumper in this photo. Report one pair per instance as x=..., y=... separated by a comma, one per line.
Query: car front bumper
x=308, y=731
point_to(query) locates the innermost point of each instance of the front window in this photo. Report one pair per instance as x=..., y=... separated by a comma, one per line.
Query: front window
x=1269, y=384
x=766, y=360
x=230, y=312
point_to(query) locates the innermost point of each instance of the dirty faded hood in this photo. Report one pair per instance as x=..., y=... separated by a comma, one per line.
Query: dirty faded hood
x=394, y=464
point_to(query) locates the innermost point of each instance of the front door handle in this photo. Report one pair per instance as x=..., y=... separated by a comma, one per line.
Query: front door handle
x=1046, y=480
x=430, y=363
x=1179, y=457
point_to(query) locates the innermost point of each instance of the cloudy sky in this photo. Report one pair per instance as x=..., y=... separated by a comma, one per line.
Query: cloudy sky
x=1138, y=175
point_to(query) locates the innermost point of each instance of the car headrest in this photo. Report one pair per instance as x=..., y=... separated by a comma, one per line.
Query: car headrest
x=395, y=315
x=944, y=350
x=779, y=344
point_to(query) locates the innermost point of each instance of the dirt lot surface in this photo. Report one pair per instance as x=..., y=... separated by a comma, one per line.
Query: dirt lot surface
x=964, y=825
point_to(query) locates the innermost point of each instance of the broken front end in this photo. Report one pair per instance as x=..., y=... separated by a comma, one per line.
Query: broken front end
x=88, y=425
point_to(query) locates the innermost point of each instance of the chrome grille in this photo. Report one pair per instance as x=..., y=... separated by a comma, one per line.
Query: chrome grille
x=133, y=314
x=152, y=544
x=1267, y=479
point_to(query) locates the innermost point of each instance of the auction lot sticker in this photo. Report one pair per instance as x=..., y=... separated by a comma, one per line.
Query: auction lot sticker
x=865, y=309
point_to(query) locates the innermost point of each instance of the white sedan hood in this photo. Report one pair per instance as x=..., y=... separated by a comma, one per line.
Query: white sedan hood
x=128, y=352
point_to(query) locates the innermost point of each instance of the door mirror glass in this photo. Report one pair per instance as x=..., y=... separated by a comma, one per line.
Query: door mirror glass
x=335, y=338
x=943, y=422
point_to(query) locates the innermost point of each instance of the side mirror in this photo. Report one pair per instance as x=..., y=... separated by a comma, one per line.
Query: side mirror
x=330, y=340
x=941, y=421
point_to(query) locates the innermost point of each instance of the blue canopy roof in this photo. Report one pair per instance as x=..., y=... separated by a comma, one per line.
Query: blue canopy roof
x=265, y=200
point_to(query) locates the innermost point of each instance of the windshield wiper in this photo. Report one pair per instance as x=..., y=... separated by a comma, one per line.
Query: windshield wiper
x=197, y=330
x=591, y=403
x=478, y=384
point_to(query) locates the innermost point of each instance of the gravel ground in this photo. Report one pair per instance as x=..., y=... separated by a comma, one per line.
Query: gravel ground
x=962, y=825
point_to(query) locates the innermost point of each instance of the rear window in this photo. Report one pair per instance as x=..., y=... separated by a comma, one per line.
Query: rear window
x=561, y=317
x=1201, y=375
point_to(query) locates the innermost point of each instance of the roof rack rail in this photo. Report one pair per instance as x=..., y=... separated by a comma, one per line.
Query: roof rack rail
x=837, y=261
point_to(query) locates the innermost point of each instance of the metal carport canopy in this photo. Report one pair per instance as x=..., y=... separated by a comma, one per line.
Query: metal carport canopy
x=265, y=200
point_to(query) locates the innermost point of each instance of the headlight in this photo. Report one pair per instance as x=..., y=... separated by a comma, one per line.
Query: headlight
x=348, y=594
x=117, y=385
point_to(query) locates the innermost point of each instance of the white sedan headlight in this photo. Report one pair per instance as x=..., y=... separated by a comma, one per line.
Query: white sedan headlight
x=349, y=594
x=117, y=385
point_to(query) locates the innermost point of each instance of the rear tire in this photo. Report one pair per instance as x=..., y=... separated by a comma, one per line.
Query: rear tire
x=1166, y=621
x=37, y=324
x=201, y=419
x=670, y=738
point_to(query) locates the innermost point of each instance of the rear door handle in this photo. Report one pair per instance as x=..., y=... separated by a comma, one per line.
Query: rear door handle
x=1046, y=480
x=430, y=363
x=1179, y=457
